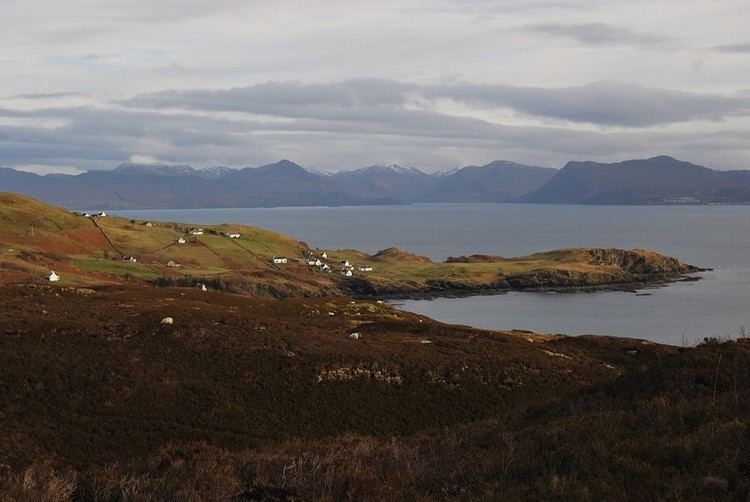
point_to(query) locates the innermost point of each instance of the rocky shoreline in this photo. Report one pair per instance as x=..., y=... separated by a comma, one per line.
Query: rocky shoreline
x=458, y=290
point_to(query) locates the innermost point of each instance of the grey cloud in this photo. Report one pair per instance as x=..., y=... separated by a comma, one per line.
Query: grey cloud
x=48, y=95
x=602, y=103
x=733, y=48
x=291, y=99
x=101, y=138
x=598, y=34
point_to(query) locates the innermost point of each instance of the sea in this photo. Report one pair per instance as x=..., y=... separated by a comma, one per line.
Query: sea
x=682, y=313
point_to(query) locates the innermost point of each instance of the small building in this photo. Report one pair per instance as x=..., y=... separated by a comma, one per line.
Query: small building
x=364, y=268
x=324, y=255
x=130, y=259
x=345, y=263
x=196, y=231
x=181, y=240
x=279, y=260
x=232, y=235
x=53, y=277
x=100, y=214
x=149, y=224
x=315, y=263
x=346, y=272
x=325, y=266
x=201, y=286
x=172, y=264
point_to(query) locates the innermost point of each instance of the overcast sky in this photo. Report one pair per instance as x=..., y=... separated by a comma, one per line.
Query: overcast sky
x=435, y=84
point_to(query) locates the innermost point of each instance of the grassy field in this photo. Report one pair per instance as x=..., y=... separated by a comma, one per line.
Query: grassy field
x=36, y=238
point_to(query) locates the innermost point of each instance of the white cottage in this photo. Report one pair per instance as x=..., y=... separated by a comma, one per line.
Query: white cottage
x=53, y=277
x=181, y=240
x=279, y=260
x=346, y=272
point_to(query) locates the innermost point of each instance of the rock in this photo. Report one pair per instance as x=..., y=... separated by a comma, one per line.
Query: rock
x=167, y=321
x=354, y=336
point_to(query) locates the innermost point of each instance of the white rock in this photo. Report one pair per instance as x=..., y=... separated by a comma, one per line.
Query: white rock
x=167, y=320
x=354, y=336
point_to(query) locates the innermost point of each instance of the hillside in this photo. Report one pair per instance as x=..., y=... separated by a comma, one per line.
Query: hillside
x=251, y=399
x=89, y=250
x=658, y=180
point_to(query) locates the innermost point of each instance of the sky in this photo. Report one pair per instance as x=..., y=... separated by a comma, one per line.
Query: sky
x=332, y=85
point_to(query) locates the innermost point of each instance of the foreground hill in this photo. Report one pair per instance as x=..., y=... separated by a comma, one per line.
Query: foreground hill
x=242, y=398
x=658, y=180
x=36, y=239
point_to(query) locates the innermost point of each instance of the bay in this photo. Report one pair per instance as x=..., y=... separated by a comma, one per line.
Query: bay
x=711, y=236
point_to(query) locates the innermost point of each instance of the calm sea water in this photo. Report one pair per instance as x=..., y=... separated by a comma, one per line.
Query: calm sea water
x=682, y=313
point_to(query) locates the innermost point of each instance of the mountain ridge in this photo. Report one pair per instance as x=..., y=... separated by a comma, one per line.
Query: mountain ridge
x=656, y=180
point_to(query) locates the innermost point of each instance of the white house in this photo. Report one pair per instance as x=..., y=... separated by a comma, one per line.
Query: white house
x=233, y=235
x=172, y=264
x=149, y=224
x=365, y=268
x=345, y=263
x=346, y=272
x=130, y=259
x=196, y=231
x=53, y=277
x=201, y=286
x=325, y=267
x=278, y=260
x=324, y=255
x=181, y=240
x=315, y=263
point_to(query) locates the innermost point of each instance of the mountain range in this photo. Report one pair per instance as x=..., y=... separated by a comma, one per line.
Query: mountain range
x=657, y=180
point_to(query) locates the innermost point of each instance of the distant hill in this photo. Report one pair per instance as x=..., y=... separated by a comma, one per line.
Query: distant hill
x=284, y=183
x=658, y=180
x=498, y=181
x=397, y=183
x=131, y=186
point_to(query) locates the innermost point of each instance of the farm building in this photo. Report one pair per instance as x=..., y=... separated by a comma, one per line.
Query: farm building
x=53, y=277
x=279, y=260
